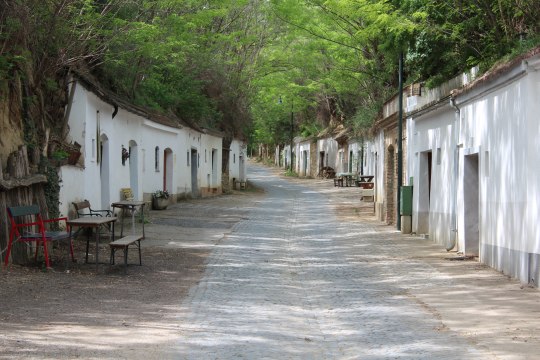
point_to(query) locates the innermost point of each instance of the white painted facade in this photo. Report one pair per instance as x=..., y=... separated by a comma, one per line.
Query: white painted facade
x=184, y=161
x=433, y=160
x=354, y=150
x=431, y=152
x=378, y=147
x=483, y=178
x=498, y=131
x=286, y=156
x=363, y=156
x=238, y=160
x=328, y=151
x=303, y=160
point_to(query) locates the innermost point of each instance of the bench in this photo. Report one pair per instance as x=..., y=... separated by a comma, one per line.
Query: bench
x=124, y=243
x=82, y=209
x=367, y=195
x=242, y=184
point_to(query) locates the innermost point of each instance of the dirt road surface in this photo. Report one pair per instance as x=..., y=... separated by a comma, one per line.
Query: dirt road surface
x=74, y=312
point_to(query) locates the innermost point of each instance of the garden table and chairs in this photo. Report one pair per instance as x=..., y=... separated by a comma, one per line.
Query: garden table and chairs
x=27, y=225
x=94, y=223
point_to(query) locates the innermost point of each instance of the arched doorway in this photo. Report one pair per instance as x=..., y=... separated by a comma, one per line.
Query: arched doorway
x=104, y=171
x=167, y=169
x=134, y=169
x=194, y=173
x=305, y=158
x=214, y=168
x=390, y=185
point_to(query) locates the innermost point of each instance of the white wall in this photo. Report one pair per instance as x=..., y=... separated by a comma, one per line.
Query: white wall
x=330, y=148
x=492, y=191
x=433, y=201
x=303, y=158
x=155, y=140
x=91, y=122
x=237, y=160
x=499, y=122
x=379, y=168
x=286, y=156
x=211, y=170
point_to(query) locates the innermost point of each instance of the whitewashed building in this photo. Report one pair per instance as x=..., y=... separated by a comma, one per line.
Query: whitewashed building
x=433, y=161
x=124, y=146
x=328, y=154
x=474, y=158
x=287, y=156
x=237, y=161
x=306, y=161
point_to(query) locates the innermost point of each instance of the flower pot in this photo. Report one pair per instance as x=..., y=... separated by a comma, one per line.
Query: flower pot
x=74, y=157
x=58, y=162
x=159, y=203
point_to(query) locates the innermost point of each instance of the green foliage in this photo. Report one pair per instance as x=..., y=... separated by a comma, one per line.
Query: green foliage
x=310, y=129
x=456, y=36
x=225, y=64
x=291, y=173
x=160, y=194
x=51, y=188
x=60, y=154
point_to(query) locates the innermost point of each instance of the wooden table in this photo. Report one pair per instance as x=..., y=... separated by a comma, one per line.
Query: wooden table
x=93, y=222
x=348, y=177
x=131, y=205
x=365, y=178
x=365, y=181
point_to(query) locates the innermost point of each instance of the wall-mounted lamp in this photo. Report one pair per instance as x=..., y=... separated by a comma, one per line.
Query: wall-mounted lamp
x=125, y=155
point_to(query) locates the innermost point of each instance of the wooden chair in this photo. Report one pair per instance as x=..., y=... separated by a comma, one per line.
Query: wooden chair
x=83, y=208
x=35, y=230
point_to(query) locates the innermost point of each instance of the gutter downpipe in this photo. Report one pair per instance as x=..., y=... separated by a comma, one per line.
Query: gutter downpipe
x=453, y=241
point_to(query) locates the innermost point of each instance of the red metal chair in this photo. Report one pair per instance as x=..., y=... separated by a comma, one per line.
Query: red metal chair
x=35, y=230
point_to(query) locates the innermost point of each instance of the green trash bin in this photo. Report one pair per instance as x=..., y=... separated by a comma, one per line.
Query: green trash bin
x=405, y=203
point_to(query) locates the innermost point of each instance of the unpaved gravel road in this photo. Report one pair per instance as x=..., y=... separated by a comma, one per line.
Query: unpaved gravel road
x=72, y=312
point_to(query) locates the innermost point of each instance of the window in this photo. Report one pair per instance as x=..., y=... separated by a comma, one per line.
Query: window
x=156, y=158
x=188, y=158
x=438, y=156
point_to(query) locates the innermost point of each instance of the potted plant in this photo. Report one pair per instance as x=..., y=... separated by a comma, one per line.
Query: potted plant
x=59, y=157
x=160, y=199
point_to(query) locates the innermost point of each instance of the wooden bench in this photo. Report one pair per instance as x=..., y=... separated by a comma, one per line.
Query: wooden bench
x=368, y=195
x=82, y=209
x=124, y=243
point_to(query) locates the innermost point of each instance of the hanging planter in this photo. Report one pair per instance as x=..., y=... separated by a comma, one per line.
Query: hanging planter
x=59, y=158
x=73, y=157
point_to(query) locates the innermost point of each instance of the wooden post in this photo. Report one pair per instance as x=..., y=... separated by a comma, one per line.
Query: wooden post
x=19, y=187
